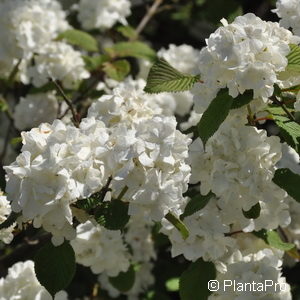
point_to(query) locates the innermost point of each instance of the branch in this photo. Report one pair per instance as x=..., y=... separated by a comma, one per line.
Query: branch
x=275, y=100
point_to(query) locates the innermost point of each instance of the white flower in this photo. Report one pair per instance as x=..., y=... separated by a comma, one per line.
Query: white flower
x=100, y=249
x=263, y=267
x=238, y=165
x=6, y=235
x=58, y=61
x=206, y=235
x=26, y=26
x=21, y=283
x=289, y=13
x=58, y=165
x=290, y=159
x=244, y=55
x=103, y=14
x=35, y=109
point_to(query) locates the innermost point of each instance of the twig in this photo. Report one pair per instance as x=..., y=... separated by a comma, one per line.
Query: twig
x=69, y=103
x=275, y=100
x=123, y=192
x=150, y=13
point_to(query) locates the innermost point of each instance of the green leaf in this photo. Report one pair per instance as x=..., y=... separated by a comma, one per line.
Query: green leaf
x=164, y=78
x=214, y=116
x=194, y=280
x=275, y=110
x=289, y=130
x=16, y=140
x=10, y=220
x=55, y=266
x=288, y=181
x=294, y=58
x=93, y=63
x=253, y=212
x=273, y=239
x=195, y=204
x=243, y=99
x=112, y=214
x=127, y=31
x=172, y=284
x=79, y=38
x=131, y=49
x=124, y=281
x=43, y=89
x=178, y=224
x=91, y=202
x=3, y=105
x=117, y=70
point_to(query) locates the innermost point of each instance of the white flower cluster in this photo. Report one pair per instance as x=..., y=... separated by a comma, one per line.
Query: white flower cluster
x=238, y=165
x=244, y=55
x=100, y=249
x=103, y=14
x=35, y=109
x=6, y=235
x=21, y=283
x=289, y=13
x=256, y=276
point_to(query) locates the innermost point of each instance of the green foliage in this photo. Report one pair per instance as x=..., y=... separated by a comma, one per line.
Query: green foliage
x=172, y=284
x=90, y=203
x=195, y=204
x=80, y=39
x=243, y=99
x=93, y=63
x=131, y=49
x=117, y=70
x=3, y=105
x=194, y=281
x=178, y=224
x=289, y=130
x=164, y=78
x=124, y=281
x=273, y=239
x=294, y=58
x=253, y=212
x=127, y=31
x=289, y=181
x=214, y=116
x=55, y=266
x=112, y=214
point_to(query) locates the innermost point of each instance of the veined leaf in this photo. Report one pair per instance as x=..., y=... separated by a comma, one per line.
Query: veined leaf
x=294, y=58
x=127, y=31
x=164, y=78
x=243, y=99
x=79, y=38
x=117, y=70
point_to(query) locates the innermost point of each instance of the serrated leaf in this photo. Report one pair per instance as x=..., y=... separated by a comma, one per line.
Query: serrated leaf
x=194, y=281
x=164, y=78
x=288, y=181
x=91, y=202
x=10, y=220
x=289, y=130
x=131, y=49
x=55, y=266
x=243, y=99
x=215, y=115
x=172, y=284
x=94, y=62
x=79, y=38
x=124, y=281
x=275, y=110
x=112, y=214
x=127, y=31
x=178, y=224
x=294, y=58
x=195, y=204
x=273, y=239
x=117, y=70
x=253, y=212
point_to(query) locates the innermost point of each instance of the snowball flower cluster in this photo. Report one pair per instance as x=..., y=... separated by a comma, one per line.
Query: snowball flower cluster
x=26, y=26
x=6, y=235
x=238, y=165
x=255, y=267
x=58, y=165
x=35, y=109
x=103, y=14
x=244, y=55
x=100, y=249
x=21, y=283
x=206, y=235
x=289, y=13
